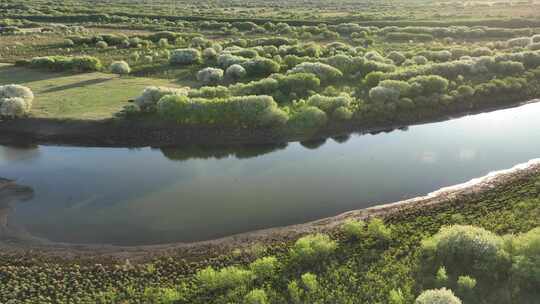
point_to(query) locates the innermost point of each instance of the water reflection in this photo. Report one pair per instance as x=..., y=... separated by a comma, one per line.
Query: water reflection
x=10, y=195
x=219, y=152
x=151, y=196
x=19, y=152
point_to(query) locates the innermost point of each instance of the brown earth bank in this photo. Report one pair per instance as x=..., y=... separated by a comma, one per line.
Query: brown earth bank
x=454, y=196
x=156, y=133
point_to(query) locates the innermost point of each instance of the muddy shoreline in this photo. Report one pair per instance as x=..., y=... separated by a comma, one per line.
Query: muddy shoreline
x=462, y=193
x=142, y=133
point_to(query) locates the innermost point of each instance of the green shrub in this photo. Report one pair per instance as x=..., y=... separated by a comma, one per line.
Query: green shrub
x=308, y=118
x=260, y=67
x=300, y=84
x=526, y=262
x=464, y=249
x=256, y=296
x=383, y=95
x=15, y=100
x=264, y=268
x=228, y=277
x=312, y=249
x=324, y=72
x=185, y=56
x=428, y=85
x=120, y=67
x=353, y=229
x=378, y=230
x=242, y=110
x=235, y=72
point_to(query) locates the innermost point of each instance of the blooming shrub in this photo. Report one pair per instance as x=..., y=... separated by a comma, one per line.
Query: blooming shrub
x=101, y=44
x=151, y=95
x=185, y=56
x=324, y=72
x=235, y=72
x=210, y=75
x=120, y=67
x=437, y=296
x=15, y=100
x=209, y=53
x=519, y=42
x=225, y=60
x=312, y=249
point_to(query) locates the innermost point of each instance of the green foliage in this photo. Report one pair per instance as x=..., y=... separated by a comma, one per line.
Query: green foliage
x=312, y=249
x=61, y=63
x=465, y=249
x=353, y=229
x=185, y=56
x=242, y=110
x=308, y=118
x=228, y=277
x=256, y=296
x=264, y=268
x=378, y=230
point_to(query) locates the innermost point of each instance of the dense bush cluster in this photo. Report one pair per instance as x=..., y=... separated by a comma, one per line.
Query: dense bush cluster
x=62, y=63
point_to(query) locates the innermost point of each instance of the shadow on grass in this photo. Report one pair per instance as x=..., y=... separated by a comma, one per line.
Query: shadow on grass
x=76, y=85
x=10, y=74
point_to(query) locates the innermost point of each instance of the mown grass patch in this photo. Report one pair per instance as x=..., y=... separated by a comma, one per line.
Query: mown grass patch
x=77, y=96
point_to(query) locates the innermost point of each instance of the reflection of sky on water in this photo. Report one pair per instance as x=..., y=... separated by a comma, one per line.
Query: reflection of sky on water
x=141, y=196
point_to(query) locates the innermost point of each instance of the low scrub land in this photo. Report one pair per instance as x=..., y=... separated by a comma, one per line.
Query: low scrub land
x=344, y=71
x=284, y=67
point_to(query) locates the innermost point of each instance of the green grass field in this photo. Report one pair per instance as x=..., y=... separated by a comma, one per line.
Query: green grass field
x=77, y=96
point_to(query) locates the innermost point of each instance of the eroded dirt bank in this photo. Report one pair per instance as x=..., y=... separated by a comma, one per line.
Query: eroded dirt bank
x=140, y=132
x=465, y=193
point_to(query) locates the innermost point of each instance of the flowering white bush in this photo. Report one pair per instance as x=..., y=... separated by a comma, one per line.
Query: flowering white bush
x=15, y=100
x=185, y=56
x=120, y=67
x=519, y=42
x=209, y=53
x=225, y=60
x=437, y=296
x=235, y=72
x=210, y=75
x=151, y=95
x=323, y=71
x=102, y=44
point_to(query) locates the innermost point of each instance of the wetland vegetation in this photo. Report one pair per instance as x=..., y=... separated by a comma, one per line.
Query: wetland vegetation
x=232, y=73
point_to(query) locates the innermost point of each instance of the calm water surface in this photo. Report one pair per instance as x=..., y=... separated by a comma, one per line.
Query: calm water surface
x=151, y=196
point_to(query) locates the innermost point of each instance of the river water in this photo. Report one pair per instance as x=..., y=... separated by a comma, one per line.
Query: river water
x=145, y=196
